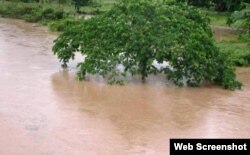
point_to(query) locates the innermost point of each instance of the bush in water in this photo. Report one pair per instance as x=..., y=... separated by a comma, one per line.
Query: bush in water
x=136, y=33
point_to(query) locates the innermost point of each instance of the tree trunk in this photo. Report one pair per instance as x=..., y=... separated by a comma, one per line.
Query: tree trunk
x=143, y=68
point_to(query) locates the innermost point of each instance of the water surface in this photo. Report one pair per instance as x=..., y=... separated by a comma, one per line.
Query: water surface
x=45, y=111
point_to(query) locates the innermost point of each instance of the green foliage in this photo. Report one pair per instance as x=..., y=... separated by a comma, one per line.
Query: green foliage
x=219, y=5
x=226, y=76
x=136, y=33
x=239, y=50
x=18, y=10
x=51, y=14
x=31, y=13
x=227, y=5
x=199, y=3
x=79, y=3
x=241, y=19
x=217, y=18
x=64, y=24
x=245, y=38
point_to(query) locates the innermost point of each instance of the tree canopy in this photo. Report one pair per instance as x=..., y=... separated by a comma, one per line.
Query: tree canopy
x=137, y=33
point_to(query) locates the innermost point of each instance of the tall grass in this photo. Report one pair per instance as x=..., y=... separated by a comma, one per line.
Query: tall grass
x=239, y=50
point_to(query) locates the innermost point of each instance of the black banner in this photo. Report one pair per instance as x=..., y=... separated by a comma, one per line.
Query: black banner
x=210, y=146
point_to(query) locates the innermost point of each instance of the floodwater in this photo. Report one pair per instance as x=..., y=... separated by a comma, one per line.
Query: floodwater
x=45, y=111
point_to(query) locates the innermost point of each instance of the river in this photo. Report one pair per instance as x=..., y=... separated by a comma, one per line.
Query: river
x=45, y=111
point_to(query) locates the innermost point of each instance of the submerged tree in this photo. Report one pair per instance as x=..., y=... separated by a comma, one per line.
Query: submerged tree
x=137, y=33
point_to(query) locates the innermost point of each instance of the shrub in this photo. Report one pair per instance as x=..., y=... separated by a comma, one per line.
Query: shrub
x=137, y=33
x=245, y=38
x=238, y=50
x=51, y=14
x=241, y=19
x=64, y=24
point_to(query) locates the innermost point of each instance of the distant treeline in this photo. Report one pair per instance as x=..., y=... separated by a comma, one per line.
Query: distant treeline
x=219, y=5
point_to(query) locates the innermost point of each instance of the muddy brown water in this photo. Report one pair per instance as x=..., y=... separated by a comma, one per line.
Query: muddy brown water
x=45, y=111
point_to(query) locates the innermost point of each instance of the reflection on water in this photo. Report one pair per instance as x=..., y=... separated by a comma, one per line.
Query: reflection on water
x=45, y=111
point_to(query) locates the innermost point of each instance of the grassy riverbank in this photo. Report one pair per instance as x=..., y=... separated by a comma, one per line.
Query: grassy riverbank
x=239, y=49
x=51, y=15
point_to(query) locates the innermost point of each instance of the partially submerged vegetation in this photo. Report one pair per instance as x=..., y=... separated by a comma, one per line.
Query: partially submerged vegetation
x=137, y=33
x=189, y=62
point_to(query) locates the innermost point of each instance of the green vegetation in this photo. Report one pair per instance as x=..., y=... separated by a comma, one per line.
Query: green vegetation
x=135, y=33
x=217, y=18
x=239, y=50
x=79, y=3
x=227, y=5
x=218, y=5
x=31, y=12
x=58, y=15
x=241, y=19
x=64, y=24
x=199, y=3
